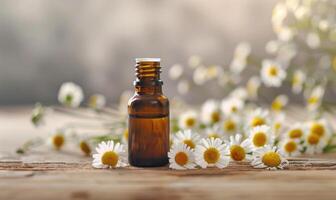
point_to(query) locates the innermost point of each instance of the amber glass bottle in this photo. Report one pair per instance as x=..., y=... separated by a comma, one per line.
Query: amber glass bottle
x=148, y=109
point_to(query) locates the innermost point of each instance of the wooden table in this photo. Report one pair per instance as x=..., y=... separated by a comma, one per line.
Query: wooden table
x=45, y=174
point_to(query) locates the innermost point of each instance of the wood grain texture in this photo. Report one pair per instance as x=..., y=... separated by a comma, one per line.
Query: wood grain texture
x=45, y=174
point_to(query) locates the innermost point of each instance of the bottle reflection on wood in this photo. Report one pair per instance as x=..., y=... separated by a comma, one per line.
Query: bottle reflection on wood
x=148, y=109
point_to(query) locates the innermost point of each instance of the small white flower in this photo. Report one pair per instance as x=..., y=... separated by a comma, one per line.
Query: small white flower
x=183, y=87
x=278, y=123
x=214, y=131
x=240, y=93
x=260, y=136
x=210, y=112
x=97, y=101
x=257, y=118
x=302, y=12
x=194, y=61
x=272, y=46
x=211, y=152
x=268, y=157
x=320, y=127
x=188, y=120
x=231, y=124
x=57, y=140
x=279, y=103
x=313, y=40
x=230, y=106
x=285, y=34
x=175, y=71
x=252, y=87
x=299, y=77
x=70, y=94
x=200, y=75
x=315, y=98
x=297, y=131
x=187, y=137
x=181, y=157
x=238, y=149
x=241, y=53
x=109, y=155
x=290, y=147
x=314, y=143
x=272, y=73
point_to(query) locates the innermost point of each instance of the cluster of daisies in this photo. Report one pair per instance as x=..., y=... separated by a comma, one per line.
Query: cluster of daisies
x=231, y=131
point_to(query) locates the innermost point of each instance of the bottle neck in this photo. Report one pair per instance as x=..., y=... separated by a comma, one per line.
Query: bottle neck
x=148, y=78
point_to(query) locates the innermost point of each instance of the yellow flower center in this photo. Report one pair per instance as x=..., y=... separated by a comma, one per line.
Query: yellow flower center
x=277, y=105
x=215, y=117
x=317, y=129
x=93, y=101
x=125, y=134
x=211, y=155
x=277, y=126
x=110, y=158
x=257, y=121
x=190, y=122
x=313, y=139
x=259, y=139
x=271, y=159
x=334, y=63
x=189, y=143
x=234, y=109
x=58, y=141
x=273, y=71
x=295, y=133
x=237, y=153
x=229, y=125
x=313, y=100
x=213, y=135
x=290, y=146
x=181, y=158
x=85, y=148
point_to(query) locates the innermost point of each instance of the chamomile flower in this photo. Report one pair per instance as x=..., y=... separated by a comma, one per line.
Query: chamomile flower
x=231, y=124
x=188, y=120
x=320, y=128
x=210, y=112
x=268, y=157
x=230, y=106
x=278, y=124
x=257, y=117
x=272, y=73
x=175, y=71
x=252, y=87
x=238, y=149
x=70, y=94
x=85, y=147
x=211, y=152
x=97, y=101
x=279, y=103
x=297, y=131
x=315, y=98
x=239, y=93
x=260, y=136
x=214, y=131
x=181, y=157
x=57, y=140
x=299, y=77
x=187, y=137
x=38, y=115
x=290, y=147
x=109, y=155
x=241, y=54
x=314, y=143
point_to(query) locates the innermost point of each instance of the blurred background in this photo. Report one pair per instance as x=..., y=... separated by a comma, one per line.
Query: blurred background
x=44, y=43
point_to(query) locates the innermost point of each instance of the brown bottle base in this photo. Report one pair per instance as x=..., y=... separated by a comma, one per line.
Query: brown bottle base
x=148, y=163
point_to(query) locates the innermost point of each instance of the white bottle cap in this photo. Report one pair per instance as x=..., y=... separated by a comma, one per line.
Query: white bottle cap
x=147, y=59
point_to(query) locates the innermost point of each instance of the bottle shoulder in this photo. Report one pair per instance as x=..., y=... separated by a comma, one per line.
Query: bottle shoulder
x=148, y=105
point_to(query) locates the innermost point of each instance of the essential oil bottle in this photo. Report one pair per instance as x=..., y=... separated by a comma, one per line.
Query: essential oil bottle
x=148, y=109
